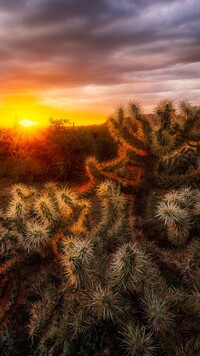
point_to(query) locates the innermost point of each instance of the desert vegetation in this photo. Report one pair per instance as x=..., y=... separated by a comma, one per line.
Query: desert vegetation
x=56, y=152
x=111, y=267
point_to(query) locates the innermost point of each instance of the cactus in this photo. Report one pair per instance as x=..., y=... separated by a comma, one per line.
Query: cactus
x=153, y=154
x=122, y=256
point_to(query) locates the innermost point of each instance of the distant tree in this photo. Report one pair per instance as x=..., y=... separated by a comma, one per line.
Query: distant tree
x=58, y=124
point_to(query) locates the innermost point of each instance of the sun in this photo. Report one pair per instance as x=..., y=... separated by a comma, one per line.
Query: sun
x=28, y=123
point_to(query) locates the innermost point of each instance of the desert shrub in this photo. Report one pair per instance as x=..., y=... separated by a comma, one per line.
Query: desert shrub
x=52, y=153
x=7, y=144
x=69, y=148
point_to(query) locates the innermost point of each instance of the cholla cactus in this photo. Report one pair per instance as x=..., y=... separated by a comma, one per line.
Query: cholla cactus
x=35, y=238
x=129, y=268
x=160, y=150
x=138, y=341
x=179, y=212
x=126, y=265
x=105, y=303
x=158, y=313
x=78, y=255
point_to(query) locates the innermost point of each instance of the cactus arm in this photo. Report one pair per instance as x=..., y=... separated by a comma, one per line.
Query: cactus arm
x=176, y=181
x=125, y=136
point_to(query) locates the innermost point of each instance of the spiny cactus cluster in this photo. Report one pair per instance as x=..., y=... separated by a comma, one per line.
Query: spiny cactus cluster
x=179, y=211
x=157, y=151
x=61, y=238
x=125, y=265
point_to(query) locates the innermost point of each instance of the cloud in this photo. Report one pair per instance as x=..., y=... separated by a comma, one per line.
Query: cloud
x=53, y=46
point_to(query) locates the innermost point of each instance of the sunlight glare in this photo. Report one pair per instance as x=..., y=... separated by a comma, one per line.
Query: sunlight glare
x=28, y=123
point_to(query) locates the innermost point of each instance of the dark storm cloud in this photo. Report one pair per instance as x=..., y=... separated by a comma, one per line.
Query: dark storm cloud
x=64, y=43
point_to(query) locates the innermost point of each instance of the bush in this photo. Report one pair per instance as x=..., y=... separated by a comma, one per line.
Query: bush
x=53, y=154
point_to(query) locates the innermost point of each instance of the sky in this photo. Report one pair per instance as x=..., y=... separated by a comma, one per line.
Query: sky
x=82, y=59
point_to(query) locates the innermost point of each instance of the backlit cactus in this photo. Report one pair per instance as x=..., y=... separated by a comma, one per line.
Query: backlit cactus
x=160, y=151
x=179, y=213
x=126, y=265
x=138, y=341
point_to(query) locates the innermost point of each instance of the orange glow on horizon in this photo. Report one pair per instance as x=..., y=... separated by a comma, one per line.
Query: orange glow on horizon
x=14, y=109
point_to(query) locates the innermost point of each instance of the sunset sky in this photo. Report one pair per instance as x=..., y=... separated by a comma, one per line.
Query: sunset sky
x=81, y=59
